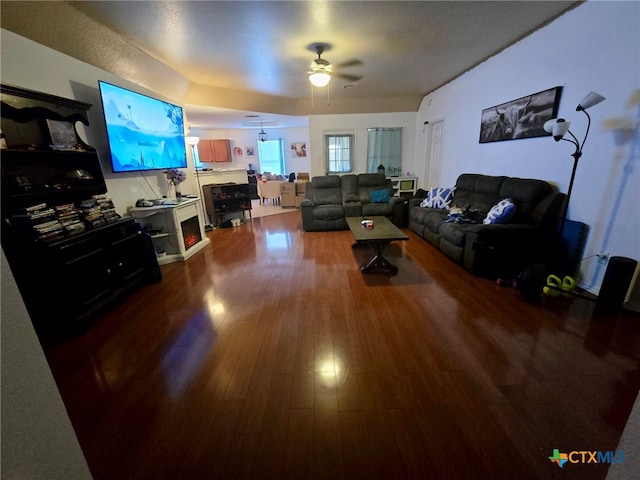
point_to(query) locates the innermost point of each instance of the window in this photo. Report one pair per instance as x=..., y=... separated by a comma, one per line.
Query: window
x=384, y=148
x=271, y=156
x=339, y=150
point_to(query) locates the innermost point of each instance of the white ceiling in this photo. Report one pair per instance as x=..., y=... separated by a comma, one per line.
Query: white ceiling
x=252, y=57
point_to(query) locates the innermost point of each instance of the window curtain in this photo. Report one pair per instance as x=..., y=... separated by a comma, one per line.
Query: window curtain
x=339, y=153
x=385, y=148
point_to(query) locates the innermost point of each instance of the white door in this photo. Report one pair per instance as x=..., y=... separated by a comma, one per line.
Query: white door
x=433, y=165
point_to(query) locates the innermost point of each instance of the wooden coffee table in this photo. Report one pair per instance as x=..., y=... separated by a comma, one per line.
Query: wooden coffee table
x=378, y=238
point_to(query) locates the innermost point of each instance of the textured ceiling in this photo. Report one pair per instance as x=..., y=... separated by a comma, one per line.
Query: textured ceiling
x=254, y=56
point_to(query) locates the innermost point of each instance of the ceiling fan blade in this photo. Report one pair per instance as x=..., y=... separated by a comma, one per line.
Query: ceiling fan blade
x=351, y=63
x=351, y=78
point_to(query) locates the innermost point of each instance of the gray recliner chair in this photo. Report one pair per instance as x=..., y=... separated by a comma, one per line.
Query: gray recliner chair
x=322, y=208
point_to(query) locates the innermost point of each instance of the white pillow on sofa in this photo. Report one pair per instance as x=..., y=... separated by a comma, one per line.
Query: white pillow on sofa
x=438, y=197
x=501, y=212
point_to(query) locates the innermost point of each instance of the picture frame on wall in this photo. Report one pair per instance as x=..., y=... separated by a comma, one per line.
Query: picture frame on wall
x=250, y=151
x=61, y=133
x=298, y=149
x=237, y=152
x=520, y=118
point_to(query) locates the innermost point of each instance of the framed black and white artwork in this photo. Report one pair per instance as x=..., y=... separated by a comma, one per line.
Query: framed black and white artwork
x=520, y=118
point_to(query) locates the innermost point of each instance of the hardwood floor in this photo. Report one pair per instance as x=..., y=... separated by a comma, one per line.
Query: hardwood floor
x=269, y=355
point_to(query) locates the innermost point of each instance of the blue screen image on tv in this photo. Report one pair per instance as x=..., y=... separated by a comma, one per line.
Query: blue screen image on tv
x=144, y=133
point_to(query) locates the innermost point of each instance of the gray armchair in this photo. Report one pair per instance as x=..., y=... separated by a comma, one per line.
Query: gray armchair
x=322, y=208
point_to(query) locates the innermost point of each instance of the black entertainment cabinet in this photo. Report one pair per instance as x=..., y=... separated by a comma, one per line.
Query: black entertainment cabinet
x=66, y=271
x=221, y=199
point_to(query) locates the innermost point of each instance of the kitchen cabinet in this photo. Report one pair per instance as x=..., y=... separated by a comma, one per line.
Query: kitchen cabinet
x=214, y=150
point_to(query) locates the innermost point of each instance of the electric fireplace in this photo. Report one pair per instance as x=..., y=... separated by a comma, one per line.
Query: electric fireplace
x=176, y=228
x=190, y=232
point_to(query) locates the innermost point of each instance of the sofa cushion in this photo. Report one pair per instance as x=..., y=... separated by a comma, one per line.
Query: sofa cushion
x=377, y=210
x=477, y=192
x=526, y=193
x=379, y=196
x=417, y=214
x=328, y=212
x=501, y=212
x=434, y=219
x=327, y=181
x=372, y=180
x=455, y=233
x=368, y=182
x=438, y=197
x=327, y=190
x=350, y=188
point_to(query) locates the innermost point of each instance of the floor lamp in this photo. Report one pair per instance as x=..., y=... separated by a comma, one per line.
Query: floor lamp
x=193, y=141
x=559, y=127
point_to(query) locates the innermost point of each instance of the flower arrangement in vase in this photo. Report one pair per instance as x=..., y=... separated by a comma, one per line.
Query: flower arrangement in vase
x=175, y=177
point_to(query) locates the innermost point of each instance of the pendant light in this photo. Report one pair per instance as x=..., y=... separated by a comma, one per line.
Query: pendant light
x=262, y=135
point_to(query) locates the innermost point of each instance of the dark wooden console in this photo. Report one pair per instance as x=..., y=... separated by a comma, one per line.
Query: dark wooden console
x=68, y=264
x=66, y=282
x=225, y=198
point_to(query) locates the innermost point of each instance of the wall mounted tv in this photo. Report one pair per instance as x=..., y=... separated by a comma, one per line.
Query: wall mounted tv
x=144, y=133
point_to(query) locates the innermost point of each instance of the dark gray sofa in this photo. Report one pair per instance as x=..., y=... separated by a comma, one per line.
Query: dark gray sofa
x=493, y=250
x=330, y=199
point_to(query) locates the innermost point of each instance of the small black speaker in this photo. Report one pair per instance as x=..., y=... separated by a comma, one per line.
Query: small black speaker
x=616, y=281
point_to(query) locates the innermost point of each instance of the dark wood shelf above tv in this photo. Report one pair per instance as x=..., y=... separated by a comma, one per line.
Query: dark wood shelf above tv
x=28, y=117
x=66, y=276
x=33, y=169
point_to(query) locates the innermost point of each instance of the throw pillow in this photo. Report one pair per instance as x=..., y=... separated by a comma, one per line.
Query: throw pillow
x=379, y=196
x=501, y=212
x=438, y=197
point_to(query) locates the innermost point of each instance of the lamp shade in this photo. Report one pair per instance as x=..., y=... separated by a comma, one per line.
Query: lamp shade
x=190, y=140
x=319, y=79
x=560, y=128
x=557, y=127
x=589, y=101
x=548, y=125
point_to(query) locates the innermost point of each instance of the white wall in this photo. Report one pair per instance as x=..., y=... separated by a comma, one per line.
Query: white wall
x=38, y=439
x=357, y=124
x=599, y=51
x=249, y=138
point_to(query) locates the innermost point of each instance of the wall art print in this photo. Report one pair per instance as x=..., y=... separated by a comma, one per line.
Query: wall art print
x=521, y=118
x=298, y=149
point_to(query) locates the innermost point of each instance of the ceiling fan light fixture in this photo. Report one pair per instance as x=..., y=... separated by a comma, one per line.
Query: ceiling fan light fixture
x=319, y=79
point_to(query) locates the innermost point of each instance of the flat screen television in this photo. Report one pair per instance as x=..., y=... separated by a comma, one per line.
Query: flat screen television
x=143, y=133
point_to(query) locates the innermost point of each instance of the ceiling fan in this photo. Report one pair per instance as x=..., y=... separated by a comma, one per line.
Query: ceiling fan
x=321, y=71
